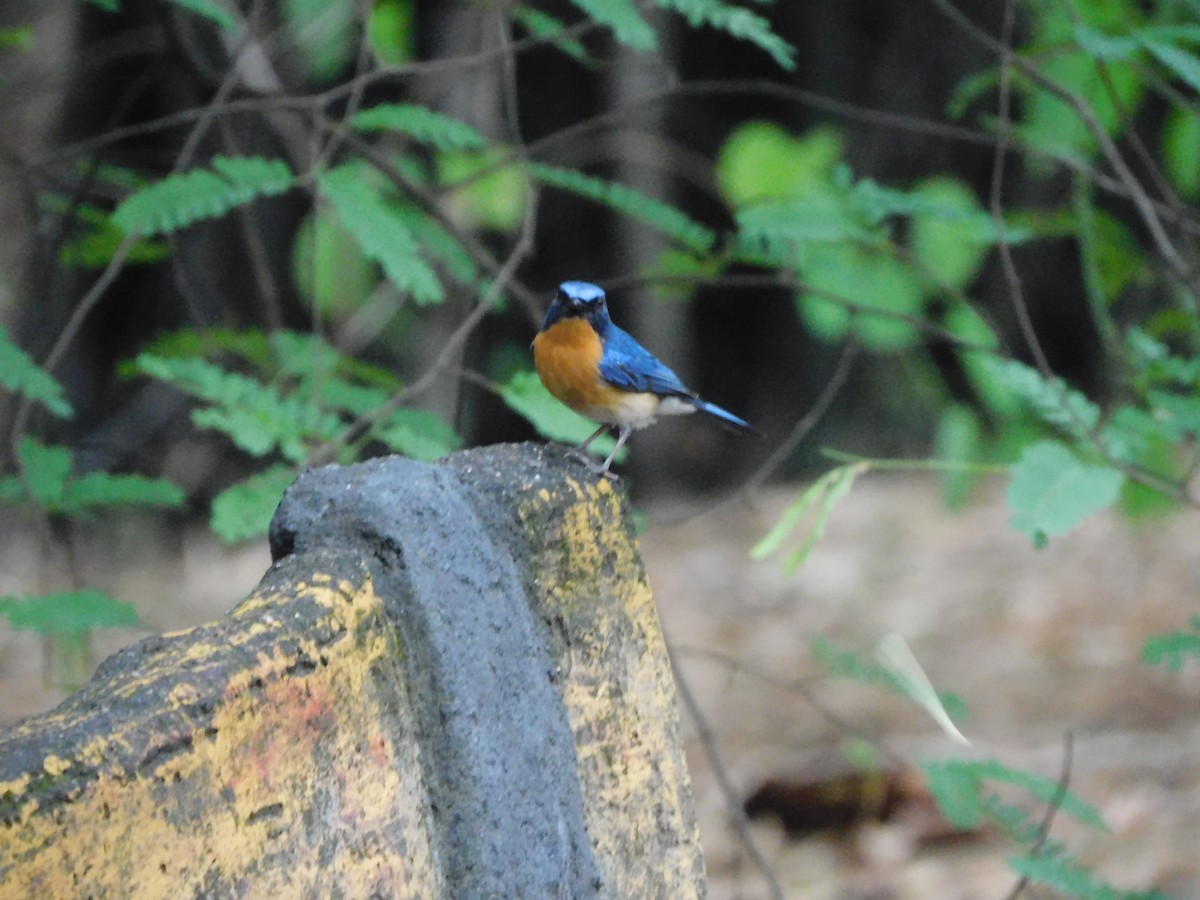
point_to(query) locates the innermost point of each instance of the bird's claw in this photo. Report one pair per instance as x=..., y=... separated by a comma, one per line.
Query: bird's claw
x=594, y=467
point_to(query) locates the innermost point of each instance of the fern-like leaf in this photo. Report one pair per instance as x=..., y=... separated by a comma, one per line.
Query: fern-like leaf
x=628, y=25
x=525, y=394
x=179, y=200
x=957, y=786
x=1064, y=874
x=421, y=124
x=419, y=434
x=624, y=199
x=244, y=510
x=19, y=373
x=68, y=612
x=1174, y=648
x=209, y=10
x=548, y=28
x=738, y=22
x=381, y=232
x=100, y=489
x=255, y=416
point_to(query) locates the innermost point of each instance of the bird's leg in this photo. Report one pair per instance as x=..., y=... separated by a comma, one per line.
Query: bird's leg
x=582, y=448
x=626, y=431
x=580, y=452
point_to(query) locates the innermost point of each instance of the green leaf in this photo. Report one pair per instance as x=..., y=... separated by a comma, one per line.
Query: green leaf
x=244, y=510
x=869, y=278
x=1066, y=876
x=1053, y=401
x=209, y=10
x=179, y=200
x=255, y=416
x=952, y=253
x=958, y=793
x=624, y=199
x=421, y=124
x=783, y=226
x=46, y=470
x=68, y=612
x=738, y=22
x=484, y=189
x=391, y=31
x=99, y=240
x=18, y=37
x=958, y=441
x=847, y=664
x=1052, y=490
x=419, y=434
x=1181, y=151
x=381, y=233
x=548, y=28
x=100, y=489
x=823, y=497
x=19, y=373
x=107, y=5
x=1185, y=65
x=525, y=394
x=628, y=25
x=762, y=161
x=1174, y=648
x=960, y=783
x=325, y=32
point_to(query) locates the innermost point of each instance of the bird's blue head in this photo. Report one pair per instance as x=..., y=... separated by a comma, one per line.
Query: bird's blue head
x=579, y=299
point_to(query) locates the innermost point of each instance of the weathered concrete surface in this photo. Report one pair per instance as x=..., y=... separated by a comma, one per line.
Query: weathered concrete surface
x=451, y=683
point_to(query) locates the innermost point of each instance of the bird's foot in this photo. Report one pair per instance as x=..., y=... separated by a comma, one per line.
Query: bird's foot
x=595, y=468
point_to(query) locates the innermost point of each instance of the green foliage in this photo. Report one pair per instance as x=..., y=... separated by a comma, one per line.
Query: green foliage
x=738, y=22
x=244, y=510
x=18, y=37
x=419, y=434
x=187, y=197
x=48, y=480
x=68, y=612
x=1174, y=648
x=20, y=374
x=547, y=28
x=486, y=188
x=958, y=788
x=99, y=240
x=209, y=10
x=421, y=124
x=324, y=32
x=1067, y=876
x=847, y=664
x=816, y=502
x=381, y=231
x=1053, y=490
x=524, y=393
x=390, y=31
x=622, y=17
x=632, y=203
x=299, y=394
x=1181, y=152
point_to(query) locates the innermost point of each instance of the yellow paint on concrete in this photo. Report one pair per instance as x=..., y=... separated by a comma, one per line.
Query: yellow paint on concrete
x=619, y=692
x=240, y=791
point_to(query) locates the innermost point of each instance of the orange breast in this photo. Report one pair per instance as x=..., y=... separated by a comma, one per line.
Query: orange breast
x=567, y=358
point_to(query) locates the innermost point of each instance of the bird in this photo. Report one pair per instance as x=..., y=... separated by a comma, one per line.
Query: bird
x=601, y=371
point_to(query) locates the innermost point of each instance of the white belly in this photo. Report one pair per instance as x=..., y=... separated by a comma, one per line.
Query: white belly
x=640, y=410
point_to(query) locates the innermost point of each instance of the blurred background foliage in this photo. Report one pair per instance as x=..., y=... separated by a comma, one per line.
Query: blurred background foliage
x=241, y=238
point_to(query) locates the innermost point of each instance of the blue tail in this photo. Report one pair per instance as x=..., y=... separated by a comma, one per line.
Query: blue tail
x=727, y=418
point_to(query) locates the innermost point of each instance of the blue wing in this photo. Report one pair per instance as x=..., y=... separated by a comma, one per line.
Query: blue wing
x=628, y=365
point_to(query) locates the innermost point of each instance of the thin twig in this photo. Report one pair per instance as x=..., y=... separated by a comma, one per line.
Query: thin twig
x=729, y=792
x=1056, y=802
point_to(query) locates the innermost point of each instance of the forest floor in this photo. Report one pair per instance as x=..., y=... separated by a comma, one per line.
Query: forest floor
x=1039, y=645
